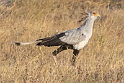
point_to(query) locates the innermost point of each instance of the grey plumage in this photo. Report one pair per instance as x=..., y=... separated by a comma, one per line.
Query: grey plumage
x=73, y=36
x=71, y=39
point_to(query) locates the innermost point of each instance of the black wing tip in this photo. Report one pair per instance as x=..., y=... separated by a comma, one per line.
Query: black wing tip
x=17, y=43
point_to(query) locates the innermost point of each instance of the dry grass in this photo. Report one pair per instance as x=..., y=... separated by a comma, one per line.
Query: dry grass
x=101, y=61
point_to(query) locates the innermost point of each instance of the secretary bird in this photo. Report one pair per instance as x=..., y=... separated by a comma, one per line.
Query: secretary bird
x=74, y=39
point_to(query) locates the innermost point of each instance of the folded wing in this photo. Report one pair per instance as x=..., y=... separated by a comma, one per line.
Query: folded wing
x=73, y=37
x=70, y=37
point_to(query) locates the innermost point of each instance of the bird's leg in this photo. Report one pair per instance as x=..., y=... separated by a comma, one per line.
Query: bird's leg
x=54, y=57
x=75, y=53
x=60, y=49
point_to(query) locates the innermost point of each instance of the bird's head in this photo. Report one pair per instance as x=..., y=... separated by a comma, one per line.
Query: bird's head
x=93, y=15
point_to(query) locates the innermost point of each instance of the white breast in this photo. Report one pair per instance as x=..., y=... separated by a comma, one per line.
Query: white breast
x=80, y=45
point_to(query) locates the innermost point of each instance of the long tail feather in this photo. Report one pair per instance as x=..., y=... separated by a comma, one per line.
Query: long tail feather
x=26, y=43
x=48, y=41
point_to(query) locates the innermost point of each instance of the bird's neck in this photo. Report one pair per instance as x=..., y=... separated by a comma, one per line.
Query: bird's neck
x=88, y=25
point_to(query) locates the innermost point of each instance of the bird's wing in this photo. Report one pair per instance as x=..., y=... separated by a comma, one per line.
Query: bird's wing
x=73, y=36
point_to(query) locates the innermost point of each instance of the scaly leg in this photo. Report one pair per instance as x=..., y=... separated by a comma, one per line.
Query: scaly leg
x=54, y=57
